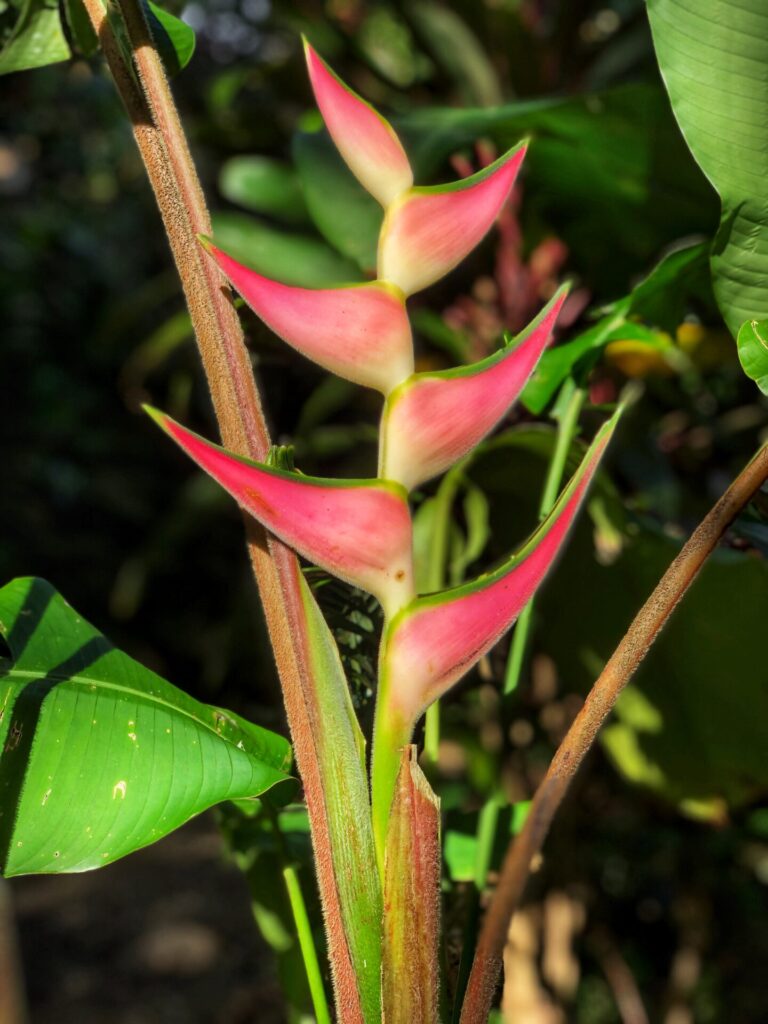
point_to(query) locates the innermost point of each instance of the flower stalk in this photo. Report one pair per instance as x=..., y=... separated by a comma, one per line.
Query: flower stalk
x=146, y=95
x=358, y=530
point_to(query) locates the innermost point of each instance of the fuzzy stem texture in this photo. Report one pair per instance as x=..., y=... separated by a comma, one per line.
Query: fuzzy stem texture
x=163, y=146
x=618, y=671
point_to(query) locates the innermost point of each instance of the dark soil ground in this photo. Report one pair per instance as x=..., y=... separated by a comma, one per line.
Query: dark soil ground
x=165, y=935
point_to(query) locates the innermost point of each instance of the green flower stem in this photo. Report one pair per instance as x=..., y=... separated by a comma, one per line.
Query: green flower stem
x=307, y=945
x=567, y=426
x=390, y=734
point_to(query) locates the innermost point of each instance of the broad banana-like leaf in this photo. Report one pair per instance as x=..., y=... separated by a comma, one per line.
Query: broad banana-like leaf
x=427, y=231
x=360, y=332
x=713, y=58
x=359, y=530
x=364, y=138
x=411, y=929
x=99, y=756
x=432, y=419
x=432, y=643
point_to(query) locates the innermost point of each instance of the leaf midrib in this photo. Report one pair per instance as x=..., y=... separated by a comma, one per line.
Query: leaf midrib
x=152, y=698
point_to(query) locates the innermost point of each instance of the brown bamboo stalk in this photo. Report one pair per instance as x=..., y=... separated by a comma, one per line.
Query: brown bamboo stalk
x=581, y=735
x=163, y=146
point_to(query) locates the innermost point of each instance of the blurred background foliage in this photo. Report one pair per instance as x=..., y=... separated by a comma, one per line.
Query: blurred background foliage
x=656, y=877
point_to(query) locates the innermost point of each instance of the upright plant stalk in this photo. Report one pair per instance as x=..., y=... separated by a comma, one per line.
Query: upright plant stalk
x=161, y=140
x=618, y=671
x=361, y=530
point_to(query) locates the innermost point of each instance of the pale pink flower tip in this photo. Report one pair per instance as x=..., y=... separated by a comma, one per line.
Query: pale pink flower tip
x=366, y=141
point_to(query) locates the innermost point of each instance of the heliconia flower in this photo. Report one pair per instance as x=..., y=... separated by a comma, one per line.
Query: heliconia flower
x=433, y=419
x=427, y=231
x=364, y=138
x=438, y=638
x=359, y=530
x=360, y=332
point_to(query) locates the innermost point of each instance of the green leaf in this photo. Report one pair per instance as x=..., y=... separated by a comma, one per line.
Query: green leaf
x=290, y=258
x=80, y=27
x=752, y=342
x=713, y=58
x=264, y=185
x=36, y=37
x=458, y=51
x=561, y=361
x=100, y=756
x=174, y=39
x=661, y=299
x=608, y=171
x=344, y=213
x=261, y=844
x=461, y=846
x=341, y=761
x=469, y=547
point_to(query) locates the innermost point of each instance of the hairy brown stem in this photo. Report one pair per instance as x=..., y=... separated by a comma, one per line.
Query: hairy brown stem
x=581, y=735
x=163, y=146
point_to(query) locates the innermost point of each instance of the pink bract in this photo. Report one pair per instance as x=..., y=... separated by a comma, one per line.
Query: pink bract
x=357, y=530
x=428, y=231
x=435, y=418
x=440, y=637
x=364, y=138
x=360, y=332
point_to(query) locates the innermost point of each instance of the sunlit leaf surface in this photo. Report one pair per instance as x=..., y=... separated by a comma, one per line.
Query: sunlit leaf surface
x=98, y=755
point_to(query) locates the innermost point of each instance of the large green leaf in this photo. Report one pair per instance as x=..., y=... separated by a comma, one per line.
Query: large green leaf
x=174, y=39
x=713, y=57
x=344, y=213
x=31, y=35
x=291, y=258
x=264, y=185
x=100, y=756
